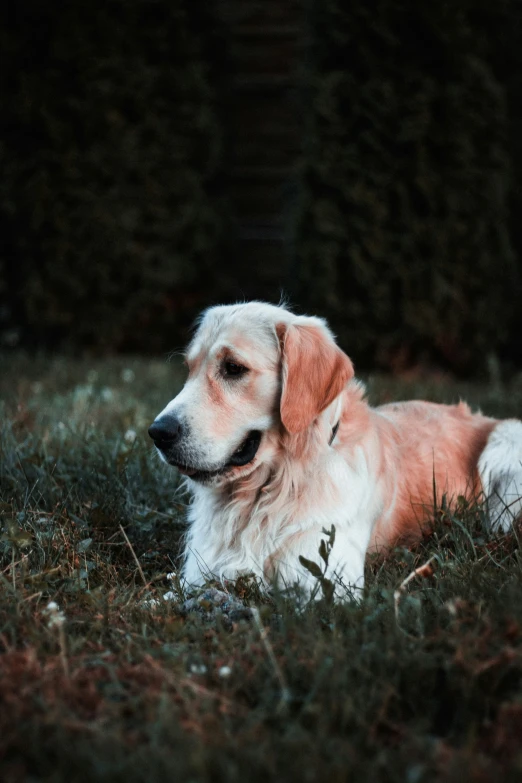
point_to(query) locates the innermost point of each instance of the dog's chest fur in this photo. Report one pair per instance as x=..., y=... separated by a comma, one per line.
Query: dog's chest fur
x=258, y=528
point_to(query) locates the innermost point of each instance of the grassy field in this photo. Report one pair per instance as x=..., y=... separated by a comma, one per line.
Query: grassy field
x=418, y=683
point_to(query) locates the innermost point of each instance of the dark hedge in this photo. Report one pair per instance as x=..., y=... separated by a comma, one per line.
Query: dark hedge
x=116, y=204
x=402, y=225
x=111, y=169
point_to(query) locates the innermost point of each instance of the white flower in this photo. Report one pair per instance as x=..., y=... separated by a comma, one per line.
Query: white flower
x=224, y=671
x=55, y=617
x=82, y=392
x=130, y=436
x=172, y=576
x=198, y=668
x=153, y=603
x=106, y=394
x=127, y=375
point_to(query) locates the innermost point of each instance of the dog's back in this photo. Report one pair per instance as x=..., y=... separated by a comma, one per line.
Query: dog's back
x=446, y=451
x=432, y=451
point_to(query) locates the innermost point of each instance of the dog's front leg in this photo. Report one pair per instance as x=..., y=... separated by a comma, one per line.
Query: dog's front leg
x=195, y=571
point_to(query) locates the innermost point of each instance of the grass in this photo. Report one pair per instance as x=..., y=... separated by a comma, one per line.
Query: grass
x=417, y=683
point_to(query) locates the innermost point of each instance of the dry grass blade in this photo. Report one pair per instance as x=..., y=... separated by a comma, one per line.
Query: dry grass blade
x=424, y=571
x=138, y=565
x=285, y=690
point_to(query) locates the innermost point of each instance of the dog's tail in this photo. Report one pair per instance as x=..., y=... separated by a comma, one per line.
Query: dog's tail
x=500, y=469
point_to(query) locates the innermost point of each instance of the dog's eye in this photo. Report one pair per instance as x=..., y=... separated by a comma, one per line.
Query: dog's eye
x=233, y=370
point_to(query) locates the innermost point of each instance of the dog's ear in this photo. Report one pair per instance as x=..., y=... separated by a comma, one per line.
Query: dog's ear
x=314, y=373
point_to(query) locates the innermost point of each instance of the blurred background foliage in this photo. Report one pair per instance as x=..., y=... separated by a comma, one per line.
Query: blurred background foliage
x=365, y=159
x=111, y=160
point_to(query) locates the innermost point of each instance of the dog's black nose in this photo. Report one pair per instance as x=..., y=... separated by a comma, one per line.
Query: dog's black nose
x=165, y=431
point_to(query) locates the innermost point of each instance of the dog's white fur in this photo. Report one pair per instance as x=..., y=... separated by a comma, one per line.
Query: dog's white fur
x=373, y=482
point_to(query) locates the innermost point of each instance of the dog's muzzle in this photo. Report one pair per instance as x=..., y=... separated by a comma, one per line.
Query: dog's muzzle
x=167, y=431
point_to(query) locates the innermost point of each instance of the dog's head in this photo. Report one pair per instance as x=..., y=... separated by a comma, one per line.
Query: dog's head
x=256, y=373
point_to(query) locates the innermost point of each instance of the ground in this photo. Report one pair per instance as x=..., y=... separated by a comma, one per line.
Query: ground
x=421, y=681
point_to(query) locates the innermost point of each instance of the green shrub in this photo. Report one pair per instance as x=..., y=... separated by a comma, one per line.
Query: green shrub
x=116, y=131
x=111, y=163
x=402, y=221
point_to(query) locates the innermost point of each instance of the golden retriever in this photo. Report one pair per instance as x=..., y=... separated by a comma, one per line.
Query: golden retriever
x=277, y=442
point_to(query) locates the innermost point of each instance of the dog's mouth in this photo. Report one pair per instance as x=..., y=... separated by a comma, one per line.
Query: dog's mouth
x=242, y=456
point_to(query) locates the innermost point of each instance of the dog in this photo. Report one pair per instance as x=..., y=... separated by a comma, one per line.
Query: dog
x=277, y=442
